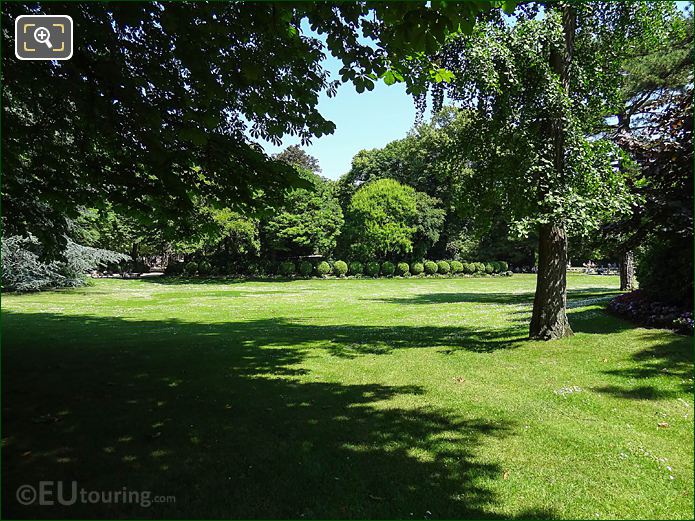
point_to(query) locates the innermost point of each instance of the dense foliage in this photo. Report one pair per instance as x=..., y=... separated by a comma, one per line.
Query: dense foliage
x=381, y=220
x=23, y=270
x=138, y=120
x=308, y=222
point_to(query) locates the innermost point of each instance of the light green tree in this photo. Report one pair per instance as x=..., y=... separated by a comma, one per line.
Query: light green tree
x=382, y=220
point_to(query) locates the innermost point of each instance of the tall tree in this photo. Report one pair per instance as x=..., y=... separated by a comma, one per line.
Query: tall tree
x=549, y=318
x=540, y=88
x=656, y=75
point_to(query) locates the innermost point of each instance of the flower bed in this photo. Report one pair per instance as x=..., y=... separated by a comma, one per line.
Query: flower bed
x=637, y=307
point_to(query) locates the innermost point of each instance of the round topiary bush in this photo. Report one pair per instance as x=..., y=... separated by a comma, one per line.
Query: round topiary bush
x=416, y=268
x=403, y=269
x=456, y=267
x=468, y=268
x=489, y=268
x=356, y=268
x=305, y=268
x=443, y=267
x=503, y=266
x=430, y=267
x=191, y=267
x=204, y=268
x=323, y=268
x=479, y=267
x=287, y=268
x=388, y=269
x=340, y=268
x=373, y=269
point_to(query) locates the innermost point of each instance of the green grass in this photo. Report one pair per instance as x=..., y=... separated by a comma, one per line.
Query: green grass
x=402, y=398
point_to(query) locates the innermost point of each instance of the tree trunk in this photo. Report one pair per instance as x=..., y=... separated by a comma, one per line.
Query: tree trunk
x=627, y=271
x=549, y=320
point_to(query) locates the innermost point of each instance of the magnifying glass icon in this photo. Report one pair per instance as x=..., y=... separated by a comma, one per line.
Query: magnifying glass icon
x=42, y=35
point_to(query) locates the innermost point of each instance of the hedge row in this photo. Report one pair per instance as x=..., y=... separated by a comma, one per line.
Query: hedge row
x=372, y=269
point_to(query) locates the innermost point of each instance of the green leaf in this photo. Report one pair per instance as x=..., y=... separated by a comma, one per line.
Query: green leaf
x=508, y=6
x=389, y=78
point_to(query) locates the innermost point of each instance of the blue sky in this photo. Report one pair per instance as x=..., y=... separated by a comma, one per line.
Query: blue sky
x=363, y=121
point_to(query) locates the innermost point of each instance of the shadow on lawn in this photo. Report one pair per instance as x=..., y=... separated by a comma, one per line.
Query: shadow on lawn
x=221, y=417
x=587, y=294
x=673, y=360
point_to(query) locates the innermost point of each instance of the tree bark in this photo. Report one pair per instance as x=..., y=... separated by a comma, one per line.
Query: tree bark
x=549, y=319
x=627, y=271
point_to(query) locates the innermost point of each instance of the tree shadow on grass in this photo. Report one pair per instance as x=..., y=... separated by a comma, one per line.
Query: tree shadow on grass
x=661, y=371
x=222, y=417
x=585, y=294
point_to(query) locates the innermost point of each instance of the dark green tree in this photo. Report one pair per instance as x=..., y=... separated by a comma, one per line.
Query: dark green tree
x=653, y=78
x=308, y=223
x=294, y=155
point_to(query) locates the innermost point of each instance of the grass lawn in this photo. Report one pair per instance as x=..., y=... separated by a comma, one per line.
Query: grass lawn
x=401, y=398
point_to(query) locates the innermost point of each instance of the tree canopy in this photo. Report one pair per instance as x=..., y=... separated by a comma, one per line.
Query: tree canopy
x=155, y=106
x=309, y=222
x=381, y=220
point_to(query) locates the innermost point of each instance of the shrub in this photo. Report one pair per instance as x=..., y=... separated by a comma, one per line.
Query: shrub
x=416, y=268
x=373, y=269
x=356, y=268
x=340, y=268
x=23, y=271
x=443, y=267
x=191, y=267
x=305, y=268
x=639, y=307
x=489, y=268
x=430, y=267
x=387, y=268
x=665, y=269
x=204, y=268
x=469, y=268
x=403, y=269
x=323, y=268
x=287, y=268
x=503, y=266
x=479, y=267
x=174, y=268
x=456, y=267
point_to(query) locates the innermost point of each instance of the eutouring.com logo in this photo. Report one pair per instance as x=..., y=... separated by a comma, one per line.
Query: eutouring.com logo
x=49, y=493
